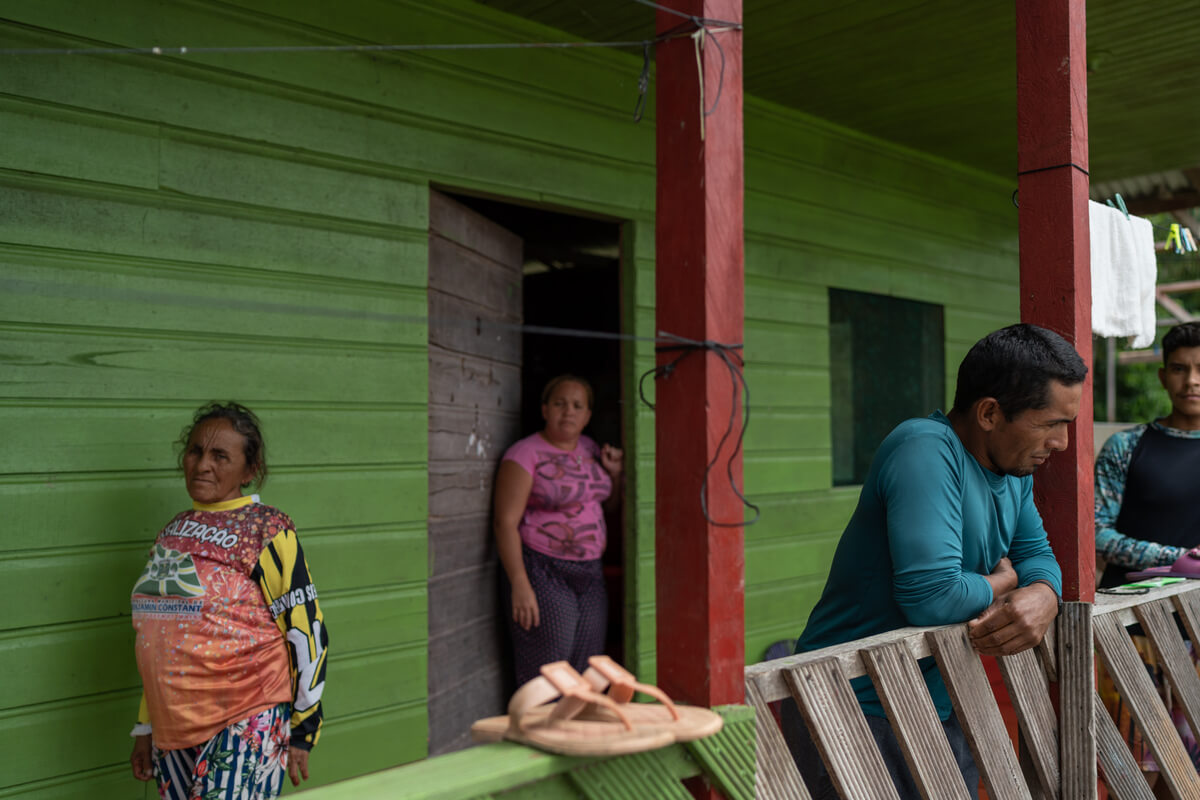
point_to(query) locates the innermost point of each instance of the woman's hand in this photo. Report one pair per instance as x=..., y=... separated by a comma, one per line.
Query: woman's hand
x=141, y=759
x=513, y=485
x=613, y=460
x=297, y=765
x=525, y=607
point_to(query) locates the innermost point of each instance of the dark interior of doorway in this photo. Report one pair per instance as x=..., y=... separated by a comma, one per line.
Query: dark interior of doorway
x=571, y=279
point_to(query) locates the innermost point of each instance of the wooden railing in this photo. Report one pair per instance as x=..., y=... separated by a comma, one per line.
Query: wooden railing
x=1060, y=749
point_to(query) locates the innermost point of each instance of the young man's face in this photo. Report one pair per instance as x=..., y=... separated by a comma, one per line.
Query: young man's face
x=1021, y=445
x=1181, y=378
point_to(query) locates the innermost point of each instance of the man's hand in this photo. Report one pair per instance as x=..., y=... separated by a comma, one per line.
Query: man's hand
x=1015, y=622
x=297, y=765
x=1003, y=579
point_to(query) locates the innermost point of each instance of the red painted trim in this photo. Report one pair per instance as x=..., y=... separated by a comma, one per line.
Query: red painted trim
x=699, y=294
x=1056, y=280
x=1051, y=84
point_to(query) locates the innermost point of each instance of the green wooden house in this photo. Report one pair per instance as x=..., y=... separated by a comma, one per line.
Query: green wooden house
x=348, y=242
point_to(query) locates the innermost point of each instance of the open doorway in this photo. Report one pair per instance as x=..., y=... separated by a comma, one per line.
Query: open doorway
x=569, y=274
x=571, y=278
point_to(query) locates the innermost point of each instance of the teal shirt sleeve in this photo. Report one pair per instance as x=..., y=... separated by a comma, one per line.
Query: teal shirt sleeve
x=1030, y=551
x=921, y=485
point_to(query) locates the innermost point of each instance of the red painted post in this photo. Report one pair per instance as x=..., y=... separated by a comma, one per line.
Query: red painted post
x=1056, y=281
x=699, y=295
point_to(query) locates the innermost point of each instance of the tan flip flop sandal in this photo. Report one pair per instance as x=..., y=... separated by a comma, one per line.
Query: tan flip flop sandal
x=533, y=720
x=686, y=723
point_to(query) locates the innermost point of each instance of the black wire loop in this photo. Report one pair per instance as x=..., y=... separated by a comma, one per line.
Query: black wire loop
x=711, y=27
x=729, y=355
x=643, y=83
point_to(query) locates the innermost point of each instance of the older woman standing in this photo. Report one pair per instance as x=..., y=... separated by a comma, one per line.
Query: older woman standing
x=231, y=642
x=551, y=490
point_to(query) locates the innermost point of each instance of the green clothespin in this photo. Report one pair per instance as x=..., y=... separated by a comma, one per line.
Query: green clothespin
x=1175, y=236
x=1120, y=204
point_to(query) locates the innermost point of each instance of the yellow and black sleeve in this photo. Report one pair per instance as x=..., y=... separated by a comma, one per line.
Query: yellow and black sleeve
x=283, y=574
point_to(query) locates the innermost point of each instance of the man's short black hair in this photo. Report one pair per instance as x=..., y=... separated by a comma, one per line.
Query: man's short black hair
x=1015, y=365
x=1185, y=335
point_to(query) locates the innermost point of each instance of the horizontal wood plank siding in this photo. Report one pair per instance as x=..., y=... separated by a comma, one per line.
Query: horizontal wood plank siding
x=255, y=226
x=827, y=207
x=182, y=229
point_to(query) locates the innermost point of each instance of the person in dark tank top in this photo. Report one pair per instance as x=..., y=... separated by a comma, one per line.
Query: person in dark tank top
x=1147, y=477
x=1147, y=481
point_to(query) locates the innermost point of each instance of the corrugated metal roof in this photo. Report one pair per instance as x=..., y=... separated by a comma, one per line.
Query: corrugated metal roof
x=1141, y=185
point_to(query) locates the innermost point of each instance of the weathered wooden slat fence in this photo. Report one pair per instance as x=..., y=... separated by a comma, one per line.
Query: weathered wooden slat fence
x=1061, y=749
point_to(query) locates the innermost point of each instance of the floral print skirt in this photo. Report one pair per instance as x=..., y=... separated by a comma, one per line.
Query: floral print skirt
x=246, y=761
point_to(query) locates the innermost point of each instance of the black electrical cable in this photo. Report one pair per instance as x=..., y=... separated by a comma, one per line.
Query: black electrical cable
x=728, y=353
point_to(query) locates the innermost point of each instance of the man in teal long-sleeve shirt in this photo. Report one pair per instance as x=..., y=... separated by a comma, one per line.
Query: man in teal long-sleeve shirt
x=946, y=531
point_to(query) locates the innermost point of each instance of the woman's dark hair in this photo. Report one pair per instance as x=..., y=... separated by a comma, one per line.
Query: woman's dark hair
x=1015, y=365
x=244, y=422
x=1185, y=335
x=567, y=377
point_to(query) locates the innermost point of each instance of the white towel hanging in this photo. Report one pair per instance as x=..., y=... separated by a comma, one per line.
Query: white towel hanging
x=1124, y=272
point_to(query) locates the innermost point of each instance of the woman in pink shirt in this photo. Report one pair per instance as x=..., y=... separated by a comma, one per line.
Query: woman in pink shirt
x=551, y=492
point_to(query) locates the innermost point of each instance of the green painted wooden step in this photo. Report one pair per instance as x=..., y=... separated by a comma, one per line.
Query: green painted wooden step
x=515, y=772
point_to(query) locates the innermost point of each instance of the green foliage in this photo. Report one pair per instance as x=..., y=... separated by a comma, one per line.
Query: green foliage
x=1140, y=396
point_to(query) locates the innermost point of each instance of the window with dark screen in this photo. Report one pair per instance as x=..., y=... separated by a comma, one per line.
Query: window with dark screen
x=886, y=364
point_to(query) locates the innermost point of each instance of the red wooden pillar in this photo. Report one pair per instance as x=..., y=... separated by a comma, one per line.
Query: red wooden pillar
x=1056, y=284
x=699, y=295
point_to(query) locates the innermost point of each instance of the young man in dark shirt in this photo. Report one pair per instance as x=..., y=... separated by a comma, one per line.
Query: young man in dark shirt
x=1147, y=482
x=1148, y=477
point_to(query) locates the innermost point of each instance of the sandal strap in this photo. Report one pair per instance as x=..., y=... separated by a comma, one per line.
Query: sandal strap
x=577, y=693
x=621, y=683
x=535, y=692
x=558, y=680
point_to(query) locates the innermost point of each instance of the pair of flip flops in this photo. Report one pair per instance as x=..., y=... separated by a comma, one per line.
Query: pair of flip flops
x=564, y=712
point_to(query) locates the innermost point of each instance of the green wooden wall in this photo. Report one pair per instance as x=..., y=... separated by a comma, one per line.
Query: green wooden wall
x=829, y=207
x=254, y=226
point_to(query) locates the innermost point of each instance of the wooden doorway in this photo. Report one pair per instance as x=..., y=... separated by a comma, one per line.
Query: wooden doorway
x=491, y=261
x=474, y=413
